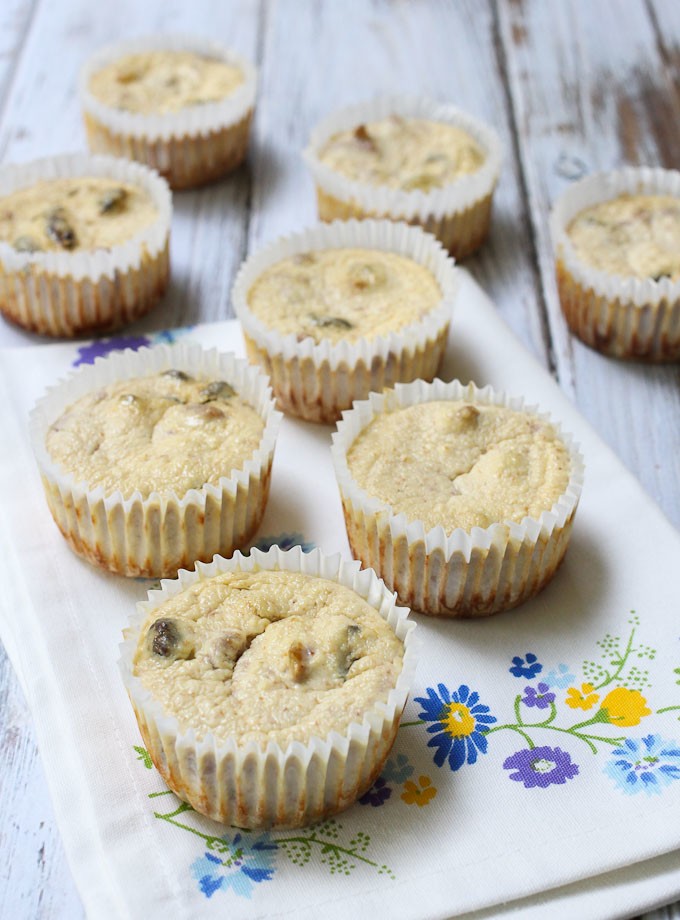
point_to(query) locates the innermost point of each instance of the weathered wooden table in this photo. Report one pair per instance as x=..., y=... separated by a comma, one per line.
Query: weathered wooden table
x=572, y=86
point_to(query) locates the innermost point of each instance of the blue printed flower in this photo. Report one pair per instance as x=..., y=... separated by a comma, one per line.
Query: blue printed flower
x=102, y=347
x=541, y=766
x=459, y=722
x=560, y=678
x=397, y=769
x=538, y=696
x=239, y=863
x=644, y=765
x=528, y=667
x=284, y=541
x=377, y=795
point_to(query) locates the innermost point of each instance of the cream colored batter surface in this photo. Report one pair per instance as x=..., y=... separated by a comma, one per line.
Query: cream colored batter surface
x=633, y=235
x=403, y=153
x=266, y=656
x=458, y=465
x=343, y=294
x=164, y=81
x=65, y=215
x=168, y=431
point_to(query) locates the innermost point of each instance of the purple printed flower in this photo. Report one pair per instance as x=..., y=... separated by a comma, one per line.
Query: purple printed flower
x=101, y=347
x=539, y=696
x=644, y=765
x=561, y=677
x=541, y=766
x=377, y=795
x=526, y=667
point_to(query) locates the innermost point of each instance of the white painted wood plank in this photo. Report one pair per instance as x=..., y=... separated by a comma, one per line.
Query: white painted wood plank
x=343, y=53
x=588, y=85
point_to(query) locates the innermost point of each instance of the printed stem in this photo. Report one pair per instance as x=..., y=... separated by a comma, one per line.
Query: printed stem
x=154, y=795
x=667, y=709
x=184, y=806
x=546, y=722
x=409, y=724
x=621, y=663
x=328, y=846
x=518, y=713
x=600, y=716
x=513, y=728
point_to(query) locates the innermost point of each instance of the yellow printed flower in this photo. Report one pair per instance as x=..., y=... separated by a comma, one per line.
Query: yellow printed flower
x=625, y=707
x=584, y=698
x=421, y=794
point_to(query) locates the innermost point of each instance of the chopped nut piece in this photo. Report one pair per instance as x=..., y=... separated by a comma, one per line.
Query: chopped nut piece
x=299, y=657
x=364, y=139
x=367, y=277
x=468, y=413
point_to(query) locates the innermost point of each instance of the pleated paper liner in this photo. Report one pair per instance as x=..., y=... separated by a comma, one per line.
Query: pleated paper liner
x=85, y=291
x=191, y=147
x=458, y=214
x=242, y=783
x=460, y=573
x=317, y=381
x=618, y=316
x=155, y=535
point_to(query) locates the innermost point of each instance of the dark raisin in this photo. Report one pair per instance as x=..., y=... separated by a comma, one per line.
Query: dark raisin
x=325, y=322
x=218, y=388
x=59, y=230
x=348, y=652
x=113, y=201
x=165, y=638
x=661, y=275
x=174, y=374
x=226, y=650
x=26, y=244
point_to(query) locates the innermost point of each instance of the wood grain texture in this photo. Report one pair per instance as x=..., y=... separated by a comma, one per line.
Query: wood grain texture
x=571, y=87
x=593, y=105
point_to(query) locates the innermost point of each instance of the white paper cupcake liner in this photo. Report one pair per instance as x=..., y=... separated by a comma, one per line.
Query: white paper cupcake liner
x=156, y=535
x=461, y=573
x=457, y=214
x=254, y=787
x=622, y=317
x=196, y=145
x=73, y=293
x=317, y=381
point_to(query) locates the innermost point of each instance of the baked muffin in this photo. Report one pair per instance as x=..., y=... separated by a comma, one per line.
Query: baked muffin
x=408, y=159
x=83, y=243
x=461, y=499
x=339, y=310
x=617, y=240
x=179, y=104
x=153, y=459
x=279, y=711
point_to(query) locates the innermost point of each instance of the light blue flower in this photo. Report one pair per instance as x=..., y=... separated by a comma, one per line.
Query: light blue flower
x=397, y=769
x=644, y=764
x=561, y=677
x=237, y=863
